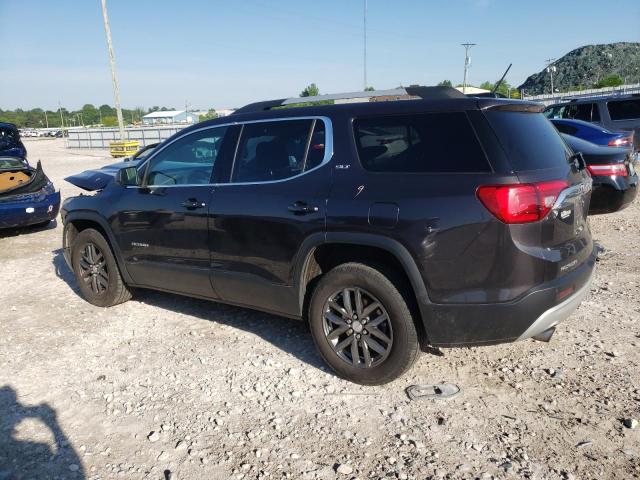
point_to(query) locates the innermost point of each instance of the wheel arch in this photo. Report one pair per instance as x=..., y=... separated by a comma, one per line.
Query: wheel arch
x=367, y=248
x=77, y=221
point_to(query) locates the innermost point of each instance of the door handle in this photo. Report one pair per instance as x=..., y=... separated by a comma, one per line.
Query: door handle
x=192, y=204
x=301, y=208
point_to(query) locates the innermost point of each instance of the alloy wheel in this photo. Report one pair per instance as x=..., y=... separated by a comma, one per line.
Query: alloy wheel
x=93, y=269
x=358, y=327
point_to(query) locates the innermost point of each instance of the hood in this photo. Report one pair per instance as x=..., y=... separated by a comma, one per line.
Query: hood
x=98, y=179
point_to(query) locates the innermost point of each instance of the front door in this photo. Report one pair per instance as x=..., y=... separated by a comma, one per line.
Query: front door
x=162, y=226
x=273, y=200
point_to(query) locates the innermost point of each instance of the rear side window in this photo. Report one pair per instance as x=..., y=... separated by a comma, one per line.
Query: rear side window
x=587, y=112
x=529, y=140
x=278, y=150
x=419, y=143
x=568, y=129
x=624, y=109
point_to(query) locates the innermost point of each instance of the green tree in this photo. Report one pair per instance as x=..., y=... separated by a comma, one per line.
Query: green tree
x=609, y=81
x=210, y=115
x=311, y=91
x=445, y=83
x=487, y=85
x=369, y=89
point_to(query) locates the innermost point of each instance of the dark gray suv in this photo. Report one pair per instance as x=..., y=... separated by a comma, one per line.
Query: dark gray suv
x=442, y=219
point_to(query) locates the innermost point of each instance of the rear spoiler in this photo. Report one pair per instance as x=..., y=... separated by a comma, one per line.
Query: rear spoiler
x=511, y=106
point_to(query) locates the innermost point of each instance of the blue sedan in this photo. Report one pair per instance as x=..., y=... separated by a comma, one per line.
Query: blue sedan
x=27, y=196
x=593, y=133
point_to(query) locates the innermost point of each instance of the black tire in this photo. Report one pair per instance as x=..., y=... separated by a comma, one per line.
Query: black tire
x=404, y=348
x=105, y=287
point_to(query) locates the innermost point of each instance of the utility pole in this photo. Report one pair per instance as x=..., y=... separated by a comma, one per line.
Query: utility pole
x=112, y=61
x=365, y=45
x=61, y=117
x=46, y=119
x=550, y=69
x=467, y=63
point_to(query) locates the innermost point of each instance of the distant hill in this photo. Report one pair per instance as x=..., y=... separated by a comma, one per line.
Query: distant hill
x=583, y=67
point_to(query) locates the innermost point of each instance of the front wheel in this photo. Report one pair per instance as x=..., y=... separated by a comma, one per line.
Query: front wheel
x=96, y=270
x=362, y=326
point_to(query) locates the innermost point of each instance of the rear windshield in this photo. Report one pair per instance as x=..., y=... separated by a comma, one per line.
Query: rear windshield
x=530, y=140
x=624, y=109
x=8, y=137
x=419, y=143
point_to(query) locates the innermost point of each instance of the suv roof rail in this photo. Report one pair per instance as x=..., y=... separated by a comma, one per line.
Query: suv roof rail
x=402, y=93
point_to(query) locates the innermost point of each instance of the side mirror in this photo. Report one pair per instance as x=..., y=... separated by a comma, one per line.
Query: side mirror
x=128, y=177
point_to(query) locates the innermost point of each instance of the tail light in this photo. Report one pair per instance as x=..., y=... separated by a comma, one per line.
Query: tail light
x=608, y=169
x=521, y=202
x=620, y=142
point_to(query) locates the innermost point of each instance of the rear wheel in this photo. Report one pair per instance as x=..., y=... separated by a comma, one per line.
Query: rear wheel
x=96, y=270
x=362, y=325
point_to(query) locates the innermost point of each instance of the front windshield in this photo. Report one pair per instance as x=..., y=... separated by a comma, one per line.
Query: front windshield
x=8, y=137
x=10, y=162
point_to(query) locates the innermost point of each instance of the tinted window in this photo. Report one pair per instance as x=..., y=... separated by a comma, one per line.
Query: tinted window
x=568, y=129
x=8, y=137
x=555, y=111
x=272, y=150
x=428, y=143
x=529, y=140
x=624, y=109
x=316, y=146
x=187, y=161
x=582, y=111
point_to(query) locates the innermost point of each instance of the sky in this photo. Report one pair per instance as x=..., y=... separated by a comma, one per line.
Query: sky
x=225, y=54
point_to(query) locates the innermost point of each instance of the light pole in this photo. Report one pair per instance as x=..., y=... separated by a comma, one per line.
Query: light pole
x=365, y=45
x=112, y=61
x=467, y=63
x=550, y=70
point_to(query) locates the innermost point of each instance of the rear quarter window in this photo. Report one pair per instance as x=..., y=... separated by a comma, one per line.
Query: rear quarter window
x=529, y=140
x=624, y=109
x=419, y=143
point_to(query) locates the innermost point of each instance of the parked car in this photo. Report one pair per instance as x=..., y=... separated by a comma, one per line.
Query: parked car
x=615, y=113
x=27, y=196
x=615, y=180
x=593, y=133
x=143, y=153
x=388, y=226
x=10, y=143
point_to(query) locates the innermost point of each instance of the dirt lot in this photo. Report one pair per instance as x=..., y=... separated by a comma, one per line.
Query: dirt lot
x=170, y=387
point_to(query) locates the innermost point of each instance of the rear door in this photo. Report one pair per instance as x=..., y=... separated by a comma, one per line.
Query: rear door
x=162, y=227
x=537, y=153
x=272, y=200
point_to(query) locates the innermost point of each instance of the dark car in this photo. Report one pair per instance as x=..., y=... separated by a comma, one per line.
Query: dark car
x=615, y=113
x=27, y=196
x=615, y=180
x=10, y=143
x=387, y=226
x=593, y=133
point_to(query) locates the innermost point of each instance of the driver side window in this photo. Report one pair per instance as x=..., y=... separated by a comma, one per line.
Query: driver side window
x=187, y=161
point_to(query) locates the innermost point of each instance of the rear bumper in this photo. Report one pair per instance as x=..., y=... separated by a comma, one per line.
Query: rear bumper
x=29, y=212
x=449, y=325
x=611, y=194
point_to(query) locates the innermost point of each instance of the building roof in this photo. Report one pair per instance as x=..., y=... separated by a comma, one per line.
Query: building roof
x=164, y=114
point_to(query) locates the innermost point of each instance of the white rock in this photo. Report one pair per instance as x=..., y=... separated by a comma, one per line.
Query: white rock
x=153, y=436
x=344, y=469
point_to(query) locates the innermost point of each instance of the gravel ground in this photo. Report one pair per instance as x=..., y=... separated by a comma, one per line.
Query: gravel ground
x=170, y=387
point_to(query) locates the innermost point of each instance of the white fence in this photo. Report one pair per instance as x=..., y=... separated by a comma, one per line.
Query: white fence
x=101, y=137
x=549, y=99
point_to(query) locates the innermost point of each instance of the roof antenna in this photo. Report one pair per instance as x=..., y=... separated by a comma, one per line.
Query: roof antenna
x=499, y=82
